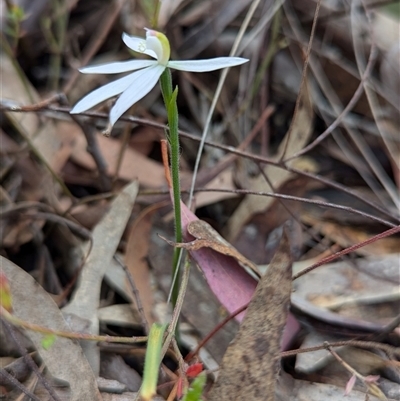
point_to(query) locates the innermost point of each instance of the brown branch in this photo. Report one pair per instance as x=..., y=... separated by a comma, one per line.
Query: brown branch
x=354, y=343
x=94, y=150
x=11, y=379
x=305, y=200
x=303, y=80
x=135, y=293
x=98, y=37
x=353, y=101
x=229, y=149
x=29, y=360
x=352, y=248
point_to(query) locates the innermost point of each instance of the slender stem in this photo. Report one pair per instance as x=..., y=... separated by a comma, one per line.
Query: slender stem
x=152, y=361
x=171, y=331
x=221, y=82
x=15, y=321
x=11, y=379
x=166, y=86
x=157, y=7
x=5, y=46
x=173, y=139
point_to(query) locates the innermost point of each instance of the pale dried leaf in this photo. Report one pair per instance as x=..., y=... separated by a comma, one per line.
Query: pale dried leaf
x=298, y=138
x=137, y=248
x=106, y=237
x=64, y=359
x=312, y=391
x=123, y=315
x=133, y=166
x=45, y=140
x=250, y=365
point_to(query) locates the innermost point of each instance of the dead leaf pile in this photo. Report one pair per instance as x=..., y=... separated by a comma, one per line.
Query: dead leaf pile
x=293, y=241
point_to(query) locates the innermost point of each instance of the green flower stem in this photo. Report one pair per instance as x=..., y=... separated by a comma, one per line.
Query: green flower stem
x=173, y=140
x=166, y=86
x=152, y=361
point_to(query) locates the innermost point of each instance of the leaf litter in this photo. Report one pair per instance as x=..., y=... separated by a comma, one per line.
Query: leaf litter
x=72, y=199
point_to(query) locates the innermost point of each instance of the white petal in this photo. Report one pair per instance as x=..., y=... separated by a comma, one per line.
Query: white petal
x=104, y=92
x=115, y=68
x=159, y=43
x=144, y=81
x=137, y=45
x=154, y=44
x=211, y=64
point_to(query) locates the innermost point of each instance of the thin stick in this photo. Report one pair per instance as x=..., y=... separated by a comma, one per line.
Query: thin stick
x=355, y=343
x=219, y=326
x=135, y=293
x=97, y=40
x=299, y=199
x=178, y=307
x=352, y=248
x=67, y=334
x=372, y=387
x=18, y=385
x=353, y=101
x=221, y=82
x=94, y=150
x=229, y=149
x=303, y=80
x=30, y=362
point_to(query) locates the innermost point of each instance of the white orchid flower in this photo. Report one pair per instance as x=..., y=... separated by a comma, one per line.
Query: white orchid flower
x=134, y=86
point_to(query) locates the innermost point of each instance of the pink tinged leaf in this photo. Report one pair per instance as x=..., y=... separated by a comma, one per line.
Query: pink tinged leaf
x=372, y=379
x=289, y=334
x=350, y=384
x=229, y=282
x=226, y=278
x=180, y=387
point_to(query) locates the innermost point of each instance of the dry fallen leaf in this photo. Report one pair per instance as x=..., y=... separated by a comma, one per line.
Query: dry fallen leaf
x=64, y=359
x=346, y=236
x=295, y=140
x=137, y=248
x=230, y=283
x=52, y=146
x=249, y=368
x=106, y=237
x=134, y=165
x=207, y=237
x=304, y=390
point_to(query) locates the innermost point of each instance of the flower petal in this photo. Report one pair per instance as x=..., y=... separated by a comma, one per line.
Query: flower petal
x=159, y=43
x=144, y=81
x=104, y=92
x=115, y=68
x=137, y=45
x=211, y=64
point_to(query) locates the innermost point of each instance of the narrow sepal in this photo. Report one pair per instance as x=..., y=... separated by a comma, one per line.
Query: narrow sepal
x=103, y=93
x=116, y=68
x=142, y=83
x=211, y=64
